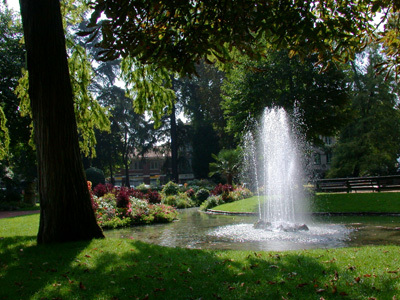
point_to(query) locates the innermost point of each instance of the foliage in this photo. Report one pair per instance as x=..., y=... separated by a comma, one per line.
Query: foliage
x=191, y=193
x=170, y=188
x=226, y=164
x=200, y=97
x=202, y=195
x=89, y=114
x=96, y=176
x=16, y=205
x=123, y=198
x=211, y=202
x=149, y=87
x=321, y=99
x=222, y=189
x=153, y=197
x=179, y=200
x=369, y=144
x=4, y=137
x=205, y=143
x=197, y=184
x=15, y=153
x=142, y=187
x=101, y=189
x=240, y=193
x=388, y=38
x=179, y=36
x=124, y=210
x=11, y=54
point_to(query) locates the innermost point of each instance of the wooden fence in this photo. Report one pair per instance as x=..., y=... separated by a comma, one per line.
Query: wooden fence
x=376, y=184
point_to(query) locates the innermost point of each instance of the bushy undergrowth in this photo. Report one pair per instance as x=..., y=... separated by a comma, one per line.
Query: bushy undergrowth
x=118, y=207
x=181, y=200
x=227, y=194
x=121, y=207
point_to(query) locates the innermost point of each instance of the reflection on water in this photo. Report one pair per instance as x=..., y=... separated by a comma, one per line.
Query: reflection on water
x=199, y=230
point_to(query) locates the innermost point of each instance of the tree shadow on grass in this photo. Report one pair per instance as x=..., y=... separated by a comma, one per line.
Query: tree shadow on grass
x=27, y=267
x=125, y=269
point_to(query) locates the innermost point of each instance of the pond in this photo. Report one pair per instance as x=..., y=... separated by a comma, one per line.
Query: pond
x=199, y=230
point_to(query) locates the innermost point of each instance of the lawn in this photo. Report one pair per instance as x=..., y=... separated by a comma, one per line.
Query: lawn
x=129, y=269
x=333, y=203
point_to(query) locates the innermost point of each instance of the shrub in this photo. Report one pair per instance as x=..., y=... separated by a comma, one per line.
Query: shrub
x=169, y=200
x=137, y=194
x=211, y=202
x=95, y=175
x=191, y=193
x=123, y=198
x=221, y=189
x=153, y=197
x=171, y=188
x=242, y=193
x=180, y=200
x=184, y=201
x=143, y=188
x=202, y=195
x=109, y=198
x=100, y=190
x=163, y=213
x=199, y=184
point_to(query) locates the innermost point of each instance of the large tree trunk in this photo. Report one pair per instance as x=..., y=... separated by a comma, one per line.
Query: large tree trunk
x=66, y=213
x=174, y=146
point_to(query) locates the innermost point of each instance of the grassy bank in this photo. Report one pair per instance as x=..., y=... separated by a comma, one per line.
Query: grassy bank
x=334, y=203
x=128, y=269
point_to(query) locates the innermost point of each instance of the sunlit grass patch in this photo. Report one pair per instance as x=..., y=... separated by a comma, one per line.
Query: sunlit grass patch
x=332, y=202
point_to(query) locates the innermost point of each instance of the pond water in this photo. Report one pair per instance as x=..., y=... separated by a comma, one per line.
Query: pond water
x=199, y=230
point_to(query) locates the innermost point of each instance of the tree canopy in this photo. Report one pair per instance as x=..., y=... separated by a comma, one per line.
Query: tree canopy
x=370, y=144
x=174, y=36
x=178, y=34
x=278, y=80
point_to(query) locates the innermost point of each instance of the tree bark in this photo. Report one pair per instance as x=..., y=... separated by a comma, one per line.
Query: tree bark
x=174, y=146
x=127, y=180
x=66, y=213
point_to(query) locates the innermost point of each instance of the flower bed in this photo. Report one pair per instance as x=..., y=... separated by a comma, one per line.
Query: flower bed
x=122, y=207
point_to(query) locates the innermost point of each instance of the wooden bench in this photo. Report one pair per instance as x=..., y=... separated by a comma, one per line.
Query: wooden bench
x=376, y=184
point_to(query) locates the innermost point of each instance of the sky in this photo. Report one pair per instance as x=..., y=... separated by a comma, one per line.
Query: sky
x=14, y=4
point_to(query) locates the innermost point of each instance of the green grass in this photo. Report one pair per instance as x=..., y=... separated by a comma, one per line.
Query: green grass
x=333, y=203
x=245, y=205
x=128, y=269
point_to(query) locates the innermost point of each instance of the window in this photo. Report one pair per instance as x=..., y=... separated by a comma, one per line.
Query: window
x=138, y=165
x=328, y=157
x=327, y=140
x=317, y=159
x=154, y=165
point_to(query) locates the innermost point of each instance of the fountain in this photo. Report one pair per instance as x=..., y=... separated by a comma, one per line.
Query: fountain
x=281, y=175
x=274, y=167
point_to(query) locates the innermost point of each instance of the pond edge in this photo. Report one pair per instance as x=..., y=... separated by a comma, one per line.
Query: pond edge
x=221, y=212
